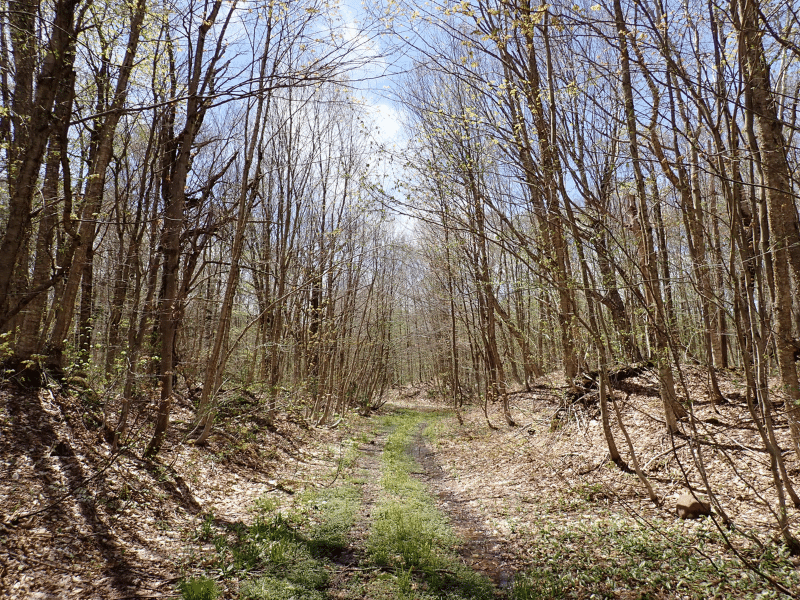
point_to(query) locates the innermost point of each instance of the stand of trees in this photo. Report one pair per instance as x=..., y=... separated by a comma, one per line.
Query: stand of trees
x=614, y=182
x=188, y=196
x=194, y=195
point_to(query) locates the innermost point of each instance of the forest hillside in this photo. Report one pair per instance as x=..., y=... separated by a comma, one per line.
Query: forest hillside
x=410, y=501
x=232, y=233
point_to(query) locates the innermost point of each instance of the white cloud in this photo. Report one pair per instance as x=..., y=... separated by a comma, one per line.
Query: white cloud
x=388, y=124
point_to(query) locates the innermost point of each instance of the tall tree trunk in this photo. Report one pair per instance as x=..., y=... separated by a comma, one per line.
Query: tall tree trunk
x=137, y=332
x=672, y=408
x=30, y=335
x=85, y=324
x=497, y=387
x=541, y=174
x=177, y=164
x=719, y=319
x=247, y=195
x=600, y=342
x=31, y=116
x=102, y=151
x=697, y=249
x=130, y=259
x=780, y=207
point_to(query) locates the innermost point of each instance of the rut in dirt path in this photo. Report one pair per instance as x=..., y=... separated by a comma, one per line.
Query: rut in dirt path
x=481, y=550
x=368, y=466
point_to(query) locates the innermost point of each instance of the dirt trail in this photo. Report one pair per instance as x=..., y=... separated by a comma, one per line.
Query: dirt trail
x=367, y=467
x=480, y=550
x=537, y=498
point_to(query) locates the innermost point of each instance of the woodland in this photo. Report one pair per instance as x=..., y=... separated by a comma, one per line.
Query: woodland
x=580, y=253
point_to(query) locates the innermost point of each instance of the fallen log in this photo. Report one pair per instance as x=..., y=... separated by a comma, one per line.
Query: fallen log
x=586, y=384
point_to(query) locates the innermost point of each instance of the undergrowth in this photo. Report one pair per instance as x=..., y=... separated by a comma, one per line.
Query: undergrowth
x=287, y=553
x=582, y=548
x=580, y=543
x=615, y=556
x=199, y=588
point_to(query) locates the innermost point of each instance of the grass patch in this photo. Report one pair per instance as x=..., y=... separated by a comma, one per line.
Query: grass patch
x=274, y=547
x=333, y=514
x=277, y=588
x=616, y=556
x=200, y=588
x=409, y=535
x=287, y=552
x=291, y=555
x=536, y=584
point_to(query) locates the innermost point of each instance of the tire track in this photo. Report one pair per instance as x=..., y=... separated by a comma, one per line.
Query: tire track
x=481, y=550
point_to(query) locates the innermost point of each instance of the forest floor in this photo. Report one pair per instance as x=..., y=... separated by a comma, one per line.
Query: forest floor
x=406, y=503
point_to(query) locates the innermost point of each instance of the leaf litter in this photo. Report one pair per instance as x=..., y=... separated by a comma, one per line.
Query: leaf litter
x=120, y=527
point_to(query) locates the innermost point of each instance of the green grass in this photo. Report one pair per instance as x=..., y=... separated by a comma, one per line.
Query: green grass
x=287, y=552
x=536, y=584
x=291, y=552
x=200, y=588
x=282, y=557
x=277, y=588
x=579, y=544
x=272, y=546
x=334, y=512
x=409, y=536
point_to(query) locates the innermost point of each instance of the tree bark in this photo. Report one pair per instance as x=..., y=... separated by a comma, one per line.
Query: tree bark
x=177, y=161
x=33, y=123
x=30, y=336
x=247, y=195
x=672, y=408
x=101, y=153
x=780, y=207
